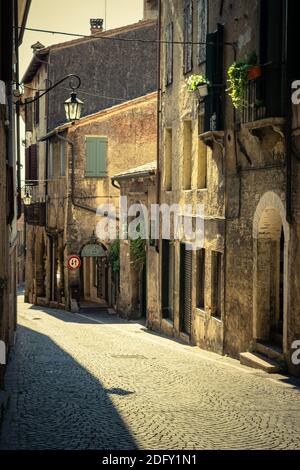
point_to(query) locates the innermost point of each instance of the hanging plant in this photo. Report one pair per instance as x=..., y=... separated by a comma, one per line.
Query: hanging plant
x=197, y=83
x=239, y=73
x=114, y=255
x=138, y=253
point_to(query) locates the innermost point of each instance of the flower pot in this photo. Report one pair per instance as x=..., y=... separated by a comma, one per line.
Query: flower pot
x=254, y=72
x=203, y=91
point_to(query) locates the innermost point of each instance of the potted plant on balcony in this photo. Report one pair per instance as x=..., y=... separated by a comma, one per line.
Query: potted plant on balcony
x=199, y=84
x=239, y=73
x=254, y=69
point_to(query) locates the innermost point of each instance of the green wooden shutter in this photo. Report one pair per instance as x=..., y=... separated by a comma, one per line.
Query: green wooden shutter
x=96, y=156
x=214, y=73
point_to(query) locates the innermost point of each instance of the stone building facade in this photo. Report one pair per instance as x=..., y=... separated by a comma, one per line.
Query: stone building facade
x=13, y=17
x=239, y=294
x=82, y=158
x=110, y=77
x=139, y=283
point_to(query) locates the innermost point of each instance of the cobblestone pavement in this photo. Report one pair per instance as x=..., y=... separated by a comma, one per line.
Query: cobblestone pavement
x=80, y=383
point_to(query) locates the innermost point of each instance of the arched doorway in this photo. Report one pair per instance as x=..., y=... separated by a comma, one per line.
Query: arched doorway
x=94, y=273
x=271, y=241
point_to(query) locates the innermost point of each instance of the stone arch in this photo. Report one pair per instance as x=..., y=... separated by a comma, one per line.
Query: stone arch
x=266, y=217
x=271, y=235
x=94, y=272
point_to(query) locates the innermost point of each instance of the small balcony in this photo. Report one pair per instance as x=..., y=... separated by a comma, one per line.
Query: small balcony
x=263, y=96
x=35, y=214
x=255, y=108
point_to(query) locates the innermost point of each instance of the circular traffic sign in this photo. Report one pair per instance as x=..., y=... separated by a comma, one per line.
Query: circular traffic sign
x=74, y=262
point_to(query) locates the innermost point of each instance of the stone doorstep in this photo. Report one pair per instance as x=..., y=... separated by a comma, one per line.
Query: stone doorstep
x=272, y=352
x=111, y=311
x=42, y=302
x=257, y=361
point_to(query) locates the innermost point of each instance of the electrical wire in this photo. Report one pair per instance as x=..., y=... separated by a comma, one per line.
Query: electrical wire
x=122, y=39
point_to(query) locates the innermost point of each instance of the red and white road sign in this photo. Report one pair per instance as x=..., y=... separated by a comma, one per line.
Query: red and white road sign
x=74, y=262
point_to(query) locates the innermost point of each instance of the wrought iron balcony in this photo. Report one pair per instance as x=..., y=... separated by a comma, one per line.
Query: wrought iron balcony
x=264, y=95
x=35, y=214
x=255, y=106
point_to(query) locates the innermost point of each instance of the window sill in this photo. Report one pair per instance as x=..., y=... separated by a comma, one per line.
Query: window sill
x=168, y=322
x=211, y=137
x=257, y=128
x=217, y=319
x=98, y=176
x=200, y=312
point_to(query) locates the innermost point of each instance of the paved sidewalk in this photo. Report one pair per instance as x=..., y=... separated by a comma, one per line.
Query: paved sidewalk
x=81, y=382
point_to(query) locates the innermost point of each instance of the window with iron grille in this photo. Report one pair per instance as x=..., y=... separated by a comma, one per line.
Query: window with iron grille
x=169, y=54
x=188, y=36
x=168, y=273
x=216, y=284
x=201, y=279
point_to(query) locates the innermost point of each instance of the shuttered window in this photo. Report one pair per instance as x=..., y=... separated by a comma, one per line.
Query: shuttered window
x=215, y=75
x=34, y=164
x=27, y=165
x=96, y=156
x=169, y=54
x=31, y=166
x=202, y=29
x=28, y=115
x=37, y=109
x=50, y=160
x=188, y=36
x=62, y=159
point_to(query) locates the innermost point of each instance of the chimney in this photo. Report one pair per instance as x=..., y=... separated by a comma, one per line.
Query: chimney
x=150, y=9
x=37, y=47
x=96, y=25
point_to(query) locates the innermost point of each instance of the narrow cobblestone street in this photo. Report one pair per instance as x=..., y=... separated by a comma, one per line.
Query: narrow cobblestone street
x=80, y=382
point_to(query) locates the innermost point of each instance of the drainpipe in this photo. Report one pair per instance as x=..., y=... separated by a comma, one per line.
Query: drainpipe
x=289, y=122
x=158, y=176
x=18, y=115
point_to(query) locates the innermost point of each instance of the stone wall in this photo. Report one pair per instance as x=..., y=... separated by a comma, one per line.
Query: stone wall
x=114, y=71
x=131, y=132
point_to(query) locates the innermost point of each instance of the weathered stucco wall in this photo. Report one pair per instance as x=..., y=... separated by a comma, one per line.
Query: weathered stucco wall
x=131, y=132
x=139, y=190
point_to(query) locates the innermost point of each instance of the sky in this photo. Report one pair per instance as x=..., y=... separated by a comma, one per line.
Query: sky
x=73, y=16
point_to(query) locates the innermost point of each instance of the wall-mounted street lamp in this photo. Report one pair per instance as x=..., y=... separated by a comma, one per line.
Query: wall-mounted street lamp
x=27, y=198
x=73, y=105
